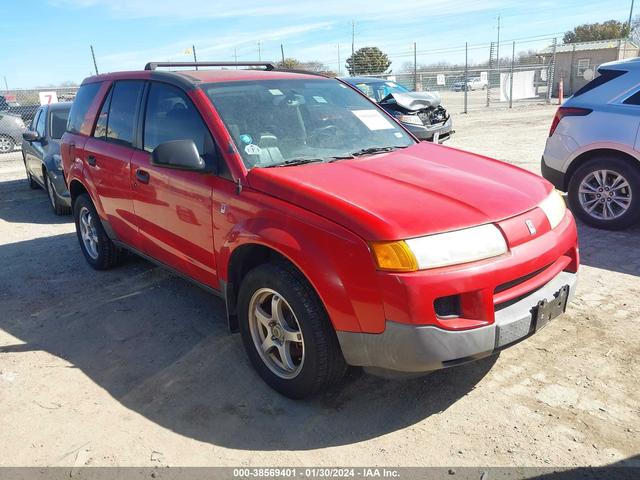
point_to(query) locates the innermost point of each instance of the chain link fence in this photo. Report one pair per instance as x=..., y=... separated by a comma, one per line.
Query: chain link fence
x=521, y=78
x=18, y=109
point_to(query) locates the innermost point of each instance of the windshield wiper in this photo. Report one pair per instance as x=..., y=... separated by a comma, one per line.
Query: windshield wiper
x=374, y=150
x=295, y=161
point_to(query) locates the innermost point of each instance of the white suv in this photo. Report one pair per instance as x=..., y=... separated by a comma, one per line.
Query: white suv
x=593, y=149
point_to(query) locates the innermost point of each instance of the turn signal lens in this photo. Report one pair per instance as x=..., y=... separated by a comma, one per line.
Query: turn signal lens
x=394, y=256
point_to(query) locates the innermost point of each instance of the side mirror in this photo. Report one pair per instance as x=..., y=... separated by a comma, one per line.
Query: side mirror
x=180, y=154
x=31, y=136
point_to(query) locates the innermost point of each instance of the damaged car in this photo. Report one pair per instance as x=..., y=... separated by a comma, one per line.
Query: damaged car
x=420, y=112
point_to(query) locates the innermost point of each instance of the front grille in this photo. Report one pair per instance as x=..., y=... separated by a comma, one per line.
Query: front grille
x=514, y=283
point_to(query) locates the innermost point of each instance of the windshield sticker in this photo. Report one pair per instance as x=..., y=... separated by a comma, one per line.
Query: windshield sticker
x=319, y=99
x=275, y=91
x=373, y=119
x=244, y=138
x=252, y=149
x=398, y=135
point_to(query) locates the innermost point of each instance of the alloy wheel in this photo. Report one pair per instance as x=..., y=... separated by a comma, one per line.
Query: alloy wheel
x=276, y=333
x=605, y=194
x=6, y=145
x=88, y=232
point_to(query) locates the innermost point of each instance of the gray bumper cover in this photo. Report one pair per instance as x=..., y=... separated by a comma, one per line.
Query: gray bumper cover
x=413, y=348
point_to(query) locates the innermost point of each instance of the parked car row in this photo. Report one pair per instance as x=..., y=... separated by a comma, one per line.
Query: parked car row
x=333, y=235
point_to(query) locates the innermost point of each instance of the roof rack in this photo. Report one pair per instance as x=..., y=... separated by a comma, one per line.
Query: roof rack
x=155, y=65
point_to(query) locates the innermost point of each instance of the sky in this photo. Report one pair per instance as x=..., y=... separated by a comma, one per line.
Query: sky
x=47, y=42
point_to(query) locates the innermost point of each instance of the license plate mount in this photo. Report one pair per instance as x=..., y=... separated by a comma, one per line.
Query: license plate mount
x=545, y=311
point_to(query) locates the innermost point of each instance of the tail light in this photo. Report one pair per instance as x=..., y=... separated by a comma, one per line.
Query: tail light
x=567, y=112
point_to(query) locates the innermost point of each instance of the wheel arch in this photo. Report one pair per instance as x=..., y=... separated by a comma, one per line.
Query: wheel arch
x=584, y=157
x=76, y=188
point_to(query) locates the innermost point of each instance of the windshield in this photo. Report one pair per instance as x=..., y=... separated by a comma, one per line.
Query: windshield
x=58, y=122
x=379, y=90
x=280, y=122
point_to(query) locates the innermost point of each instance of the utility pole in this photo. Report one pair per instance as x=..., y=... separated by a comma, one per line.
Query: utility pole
x=259, y=51
x=235, y=56
x=630, y=15
x=339, y=66
x=93, y=55
x=353, y=37
x=195, y=59
x=6, y=85
x=282, y=51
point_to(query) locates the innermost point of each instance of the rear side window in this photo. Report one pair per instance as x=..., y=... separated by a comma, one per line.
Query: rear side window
x=125, y=98
x=605, y=76
x=58, y=122
x=81, y=105
x=633, y=99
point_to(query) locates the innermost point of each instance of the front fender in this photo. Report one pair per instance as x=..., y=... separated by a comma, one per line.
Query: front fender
x=336, y=262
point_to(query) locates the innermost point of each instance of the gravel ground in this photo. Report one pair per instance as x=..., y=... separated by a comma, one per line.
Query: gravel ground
x=135, y=367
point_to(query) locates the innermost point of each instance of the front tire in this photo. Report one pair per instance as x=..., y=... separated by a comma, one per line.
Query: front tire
x=287, y=333
x=58, y=207
x=98, y=249
x=605, y=193
x=7, y=144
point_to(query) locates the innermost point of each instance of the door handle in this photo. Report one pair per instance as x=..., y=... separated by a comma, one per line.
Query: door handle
x=91, y=160
x=142, y=176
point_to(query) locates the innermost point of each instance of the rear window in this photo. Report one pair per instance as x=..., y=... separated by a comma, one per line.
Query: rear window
x=58, y=123
x=605, y=76
x=81, y=105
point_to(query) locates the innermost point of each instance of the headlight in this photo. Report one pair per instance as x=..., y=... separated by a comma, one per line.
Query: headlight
x=432, y=251
x=554, y=208
x=412, y=119
x=57, y=160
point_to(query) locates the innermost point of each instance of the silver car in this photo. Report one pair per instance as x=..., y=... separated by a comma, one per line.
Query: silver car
x=593, y=149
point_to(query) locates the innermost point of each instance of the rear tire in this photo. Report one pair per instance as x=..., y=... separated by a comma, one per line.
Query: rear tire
x=98, y=249
x=605, y=193
x=315, y=360
x=58, y=208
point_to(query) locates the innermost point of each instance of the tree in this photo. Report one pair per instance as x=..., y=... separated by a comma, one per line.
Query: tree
x=589, y=32
x=368, y=61
x=290, y=64
x=312, y=66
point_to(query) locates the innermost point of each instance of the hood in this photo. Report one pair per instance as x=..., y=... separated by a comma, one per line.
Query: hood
x=413, y=101
x=420, y=190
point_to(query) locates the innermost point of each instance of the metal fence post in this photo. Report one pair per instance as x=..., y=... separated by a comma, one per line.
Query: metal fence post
x=551, y=71
x=415, y=68
x=489, y=73
x=513, y=61
x=466, y=74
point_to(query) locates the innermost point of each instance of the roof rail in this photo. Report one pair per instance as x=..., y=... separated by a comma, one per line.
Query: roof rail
x=155, y=65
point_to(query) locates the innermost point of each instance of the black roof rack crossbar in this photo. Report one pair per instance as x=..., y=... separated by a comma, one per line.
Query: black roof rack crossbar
x=155, y=65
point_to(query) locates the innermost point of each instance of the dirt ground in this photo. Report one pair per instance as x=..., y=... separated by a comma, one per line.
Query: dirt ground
x=134, y=367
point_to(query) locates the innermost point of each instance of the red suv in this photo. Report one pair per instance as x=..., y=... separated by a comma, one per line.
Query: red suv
x=333, y=235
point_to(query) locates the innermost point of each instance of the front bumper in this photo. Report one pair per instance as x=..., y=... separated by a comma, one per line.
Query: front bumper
x=427, y=132
x=422, y=348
